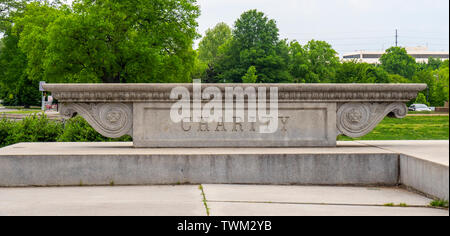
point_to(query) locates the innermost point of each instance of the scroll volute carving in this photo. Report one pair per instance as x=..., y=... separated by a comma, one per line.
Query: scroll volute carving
x=112, y=120
x=358, y=119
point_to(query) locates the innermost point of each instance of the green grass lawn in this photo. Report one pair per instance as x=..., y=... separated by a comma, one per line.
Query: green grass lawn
x=409, y=128
x=21, y=112
x=22, y=108
x=427, y=112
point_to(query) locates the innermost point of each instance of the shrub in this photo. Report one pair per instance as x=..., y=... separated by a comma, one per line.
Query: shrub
x=421, y=99
x=36, y=128
x=78, y=129
x=33, y=128
x=6, y=127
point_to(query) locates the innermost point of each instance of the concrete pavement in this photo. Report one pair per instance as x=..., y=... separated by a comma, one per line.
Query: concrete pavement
x=436, y=151
x=234, y=200
x=94, y=201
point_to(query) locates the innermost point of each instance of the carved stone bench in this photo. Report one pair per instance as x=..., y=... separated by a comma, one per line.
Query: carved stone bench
x=309, y=114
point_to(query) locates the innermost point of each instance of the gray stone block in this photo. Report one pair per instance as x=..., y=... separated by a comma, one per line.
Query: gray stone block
x=309, y=114
x=425, y=176
x=102, y=164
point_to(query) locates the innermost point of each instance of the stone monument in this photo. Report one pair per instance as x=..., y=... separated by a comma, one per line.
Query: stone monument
x=308, y=114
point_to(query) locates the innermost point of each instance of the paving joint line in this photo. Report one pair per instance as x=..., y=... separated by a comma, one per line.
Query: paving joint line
x=329, y=204
x=205, y=202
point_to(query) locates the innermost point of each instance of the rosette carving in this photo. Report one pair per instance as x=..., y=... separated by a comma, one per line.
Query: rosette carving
x=112, y=120
x=358, y=119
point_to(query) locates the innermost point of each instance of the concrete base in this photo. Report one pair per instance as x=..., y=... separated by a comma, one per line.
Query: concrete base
x=62, y=164
x=351, y=163
x=423, y=165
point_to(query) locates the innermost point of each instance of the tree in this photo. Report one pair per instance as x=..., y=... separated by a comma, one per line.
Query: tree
x=316, y=62
x=377, y=75
x=298, y=63
x=111, y=41
x=322, y=62
x=397, y=61
x=32, y=28
x=397, y=79
x=421, y=99
x=254, y=30
x=436, y=93
x=16, y=86
x=255, y=43
x=442, y=84
x=7, y=9
x=250, y=77
x=352, y=72
x=214, y=38
x=434, y=63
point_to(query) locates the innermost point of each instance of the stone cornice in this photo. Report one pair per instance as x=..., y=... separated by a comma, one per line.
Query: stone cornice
x=287, y=92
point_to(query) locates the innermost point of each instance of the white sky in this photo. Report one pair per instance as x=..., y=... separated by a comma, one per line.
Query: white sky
x=348, y=25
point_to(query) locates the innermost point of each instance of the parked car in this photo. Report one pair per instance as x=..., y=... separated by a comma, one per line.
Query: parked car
x=419, y=107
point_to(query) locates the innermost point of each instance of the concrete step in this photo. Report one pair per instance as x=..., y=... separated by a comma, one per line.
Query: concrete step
x=66, y=164
x=420, y=165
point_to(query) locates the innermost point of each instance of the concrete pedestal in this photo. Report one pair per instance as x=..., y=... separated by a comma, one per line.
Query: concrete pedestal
x=350, y=163
x=57, y=164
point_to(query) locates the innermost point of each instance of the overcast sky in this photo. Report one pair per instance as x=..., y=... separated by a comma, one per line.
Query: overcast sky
x=348, y=25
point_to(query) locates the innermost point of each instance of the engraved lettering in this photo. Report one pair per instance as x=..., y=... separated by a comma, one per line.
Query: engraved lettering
x=183, y=127
x=237, y=123
x=252, y=127
x=203, y=124
x=284, y=121
x=222, y=125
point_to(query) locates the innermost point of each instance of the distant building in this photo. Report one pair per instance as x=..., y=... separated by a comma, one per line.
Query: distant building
x=421, y=54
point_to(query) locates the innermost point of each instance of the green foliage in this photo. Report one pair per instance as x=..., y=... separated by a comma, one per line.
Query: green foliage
x=442, y=83
x=9, y=8
x=397, y=79
x=151, y=41
x=110, y=41
x=437, y=81
x=36, y=128
x=397, y=61
x=376, y=74
x=78, y=130
x=433, y=64
x=31, y=129
x=354, y=72
x=316, y=62
x=322, y=62
x=6, y=129
x=16, y=86
x=255, y=43
x=439, y=203
x=32, y=28
x=250, y=77
x=200, y=68
x=208, y=48
x=209, y=51
x=421, y=99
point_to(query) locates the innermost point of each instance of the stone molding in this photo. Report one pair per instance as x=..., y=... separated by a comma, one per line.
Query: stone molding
x=286, y=92
x=353, y=110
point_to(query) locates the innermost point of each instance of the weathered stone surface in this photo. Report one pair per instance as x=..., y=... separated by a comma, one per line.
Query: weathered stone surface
x=63, y=164
x=301, y=124
x=309, y=114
